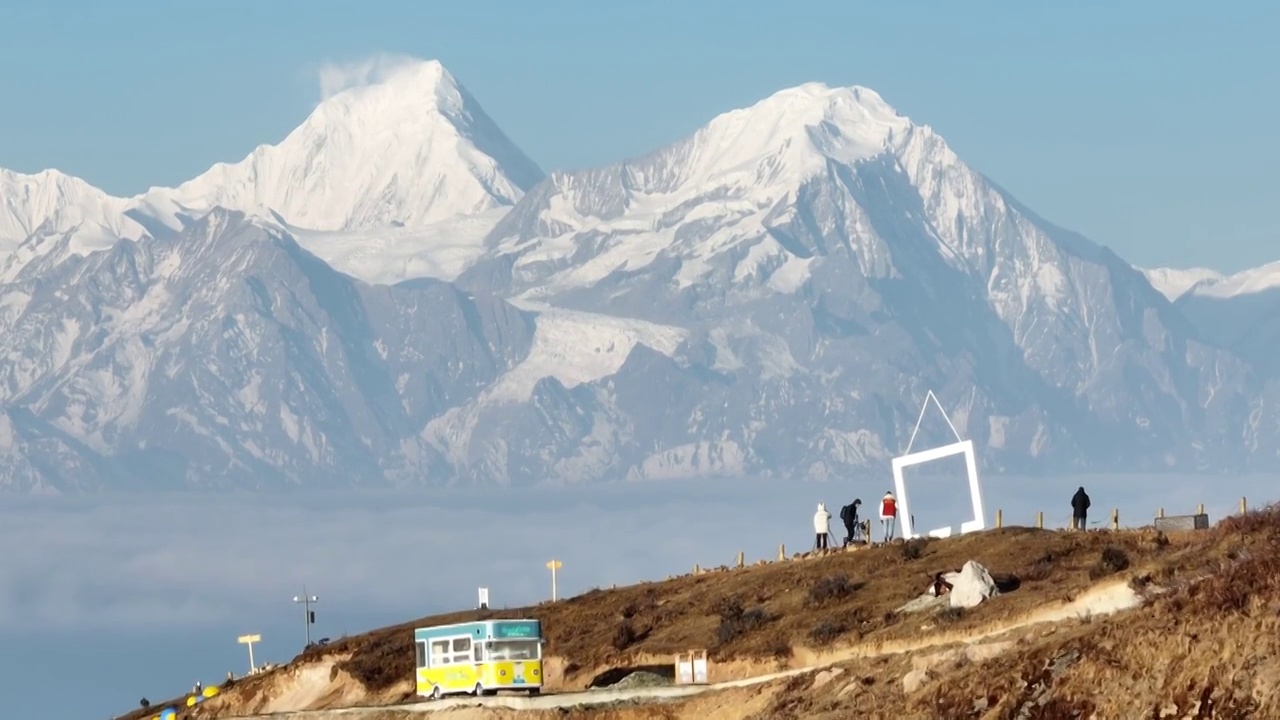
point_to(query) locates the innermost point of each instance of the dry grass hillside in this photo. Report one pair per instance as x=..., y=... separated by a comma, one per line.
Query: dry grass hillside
x=1204, y=644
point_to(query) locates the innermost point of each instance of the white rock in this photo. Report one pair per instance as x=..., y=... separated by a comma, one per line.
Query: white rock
x=971, y=586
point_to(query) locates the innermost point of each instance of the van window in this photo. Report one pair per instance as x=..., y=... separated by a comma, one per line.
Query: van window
x=462, y=650
x=422, y=654
x=439, y=652
x=515, y=650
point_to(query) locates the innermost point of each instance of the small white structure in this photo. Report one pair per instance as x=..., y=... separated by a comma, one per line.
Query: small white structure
x=910, y=459
x=483, y=600
x=691, y=668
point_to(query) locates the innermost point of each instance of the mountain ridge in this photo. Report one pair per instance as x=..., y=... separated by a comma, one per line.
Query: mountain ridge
x=414, y=149
x=772, y=295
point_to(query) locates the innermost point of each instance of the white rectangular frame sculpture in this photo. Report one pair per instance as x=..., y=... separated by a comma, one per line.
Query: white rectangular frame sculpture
x=975, y=490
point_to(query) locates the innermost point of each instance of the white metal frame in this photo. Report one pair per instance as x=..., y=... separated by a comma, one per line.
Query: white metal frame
x=909, y=459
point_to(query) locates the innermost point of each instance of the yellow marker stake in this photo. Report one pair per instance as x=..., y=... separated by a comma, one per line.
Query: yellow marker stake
x=249, y=640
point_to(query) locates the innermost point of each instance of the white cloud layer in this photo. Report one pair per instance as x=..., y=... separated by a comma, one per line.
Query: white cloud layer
x=187, y=561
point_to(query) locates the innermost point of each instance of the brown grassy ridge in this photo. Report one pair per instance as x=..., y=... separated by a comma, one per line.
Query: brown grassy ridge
x=780, y=613
x=763, y=613
x=762, y=617
x=1206, y=646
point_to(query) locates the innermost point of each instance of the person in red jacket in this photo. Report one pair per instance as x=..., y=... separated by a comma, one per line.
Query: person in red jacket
x=888, y=515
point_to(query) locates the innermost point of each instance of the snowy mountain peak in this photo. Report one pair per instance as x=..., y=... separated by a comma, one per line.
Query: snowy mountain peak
x=35, y=206
x=797, y=129
x=406, y=88
x=52, y=199
x=1173, y=283
x=411, y=148
x=1246, y=282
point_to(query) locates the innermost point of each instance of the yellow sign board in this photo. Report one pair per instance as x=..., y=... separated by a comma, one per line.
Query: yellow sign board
x=245, y=639
x=555, y=565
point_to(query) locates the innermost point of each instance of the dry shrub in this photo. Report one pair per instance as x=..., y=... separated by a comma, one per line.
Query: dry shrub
x=1255, y=522
x=1232, y=589
x=826, y=632
x=383, y=665
x=949, y=615
x=779, y=648
x=624, y=636
x=1041, y=569
x=733, y=627
x=832, y=588
x=914, y=549
x=727, y=607
x=1113, y=560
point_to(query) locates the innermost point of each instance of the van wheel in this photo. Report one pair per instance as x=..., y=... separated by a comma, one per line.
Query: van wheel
x=478, y=690
x=435, y=693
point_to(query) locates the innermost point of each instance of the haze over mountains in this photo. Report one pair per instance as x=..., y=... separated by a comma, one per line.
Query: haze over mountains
x=396, y=294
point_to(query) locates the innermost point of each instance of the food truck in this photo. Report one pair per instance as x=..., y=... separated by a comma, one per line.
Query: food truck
x=480, y=657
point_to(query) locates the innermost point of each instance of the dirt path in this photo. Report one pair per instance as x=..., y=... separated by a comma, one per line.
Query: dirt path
x=1101, y=600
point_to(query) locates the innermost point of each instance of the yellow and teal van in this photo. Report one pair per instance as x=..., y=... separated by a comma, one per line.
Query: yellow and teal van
x=480, y=657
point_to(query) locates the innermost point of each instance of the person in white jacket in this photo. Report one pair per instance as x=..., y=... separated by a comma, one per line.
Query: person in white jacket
x=821, y=526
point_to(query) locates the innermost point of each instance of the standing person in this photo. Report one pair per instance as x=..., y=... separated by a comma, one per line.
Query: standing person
x=821, y=527
x=849, y=516
x=1079, y=509
x=888, y=515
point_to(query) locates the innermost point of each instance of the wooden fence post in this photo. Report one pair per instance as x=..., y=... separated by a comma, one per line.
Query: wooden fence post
x=999, y=519
x=1040, y=520
x=782, y=551
x=1244, y=507
x=1115, y=519
x=741, y=560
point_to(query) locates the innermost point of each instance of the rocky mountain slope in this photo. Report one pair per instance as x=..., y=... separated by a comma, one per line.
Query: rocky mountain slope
x=831, y=261
x=773, y=295
x=229, y=356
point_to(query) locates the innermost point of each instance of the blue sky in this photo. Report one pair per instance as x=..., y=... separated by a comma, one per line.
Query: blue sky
x=1148, y=126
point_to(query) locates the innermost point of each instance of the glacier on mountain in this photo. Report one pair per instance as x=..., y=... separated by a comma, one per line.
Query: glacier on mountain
x=773, y=295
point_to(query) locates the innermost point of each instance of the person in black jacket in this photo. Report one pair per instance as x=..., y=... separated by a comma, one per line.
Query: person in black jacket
x=1079, y=509
x=849, y=516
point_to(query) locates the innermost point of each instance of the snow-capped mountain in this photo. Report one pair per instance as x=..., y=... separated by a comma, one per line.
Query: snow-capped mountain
x=385, y=181
x=411, y=150
x=1238, y=312
x=831, y=261
x=774, y=295
x=51, y=202
x=1173, y=283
